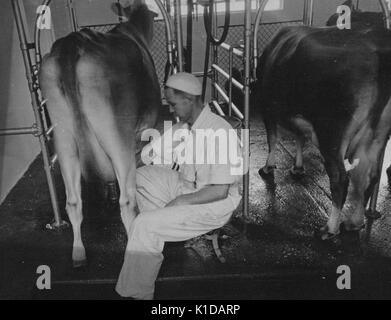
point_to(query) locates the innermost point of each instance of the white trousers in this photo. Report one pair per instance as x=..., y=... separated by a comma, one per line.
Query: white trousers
x=156, y=186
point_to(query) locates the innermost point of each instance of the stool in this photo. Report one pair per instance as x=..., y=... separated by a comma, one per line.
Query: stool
x=214, y=237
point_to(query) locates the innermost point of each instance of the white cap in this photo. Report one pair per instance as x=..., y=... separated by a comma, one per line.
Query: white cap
x=185, y=82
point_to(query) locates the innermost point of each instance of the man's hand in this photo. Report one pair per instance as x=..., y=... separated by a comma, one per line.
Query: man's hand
x=210, y=193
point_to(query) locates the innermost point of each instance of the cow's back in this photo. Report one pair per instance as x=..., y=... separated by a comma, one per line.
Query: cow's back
x=121, y=67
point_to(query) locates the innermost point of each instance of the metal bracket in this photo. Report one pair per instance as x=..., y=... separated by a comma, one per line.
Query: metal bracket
x=37, y=132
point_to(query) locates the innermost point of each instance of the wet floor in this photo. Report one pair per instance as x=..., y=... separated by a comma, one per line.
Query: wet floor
x=275, y=255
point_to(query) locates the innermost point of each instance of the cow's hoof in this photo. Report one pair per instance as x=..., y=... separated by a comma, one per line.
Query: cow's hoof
x=79, y=263
x=325, y=235
x=350, y=238
x=54, y=226
x=267, y=173
x=372, y=214
x=347, y=228
x=297, y=172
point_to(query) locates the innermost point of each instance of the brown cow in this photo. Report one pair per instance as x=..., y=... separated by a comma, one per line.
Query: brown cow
x=101, y=91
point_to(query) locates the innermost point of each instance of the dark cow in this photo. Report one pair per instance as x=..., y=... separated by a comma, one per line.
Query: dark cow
x=338, y=84
x=101, y=91
x=361, y=19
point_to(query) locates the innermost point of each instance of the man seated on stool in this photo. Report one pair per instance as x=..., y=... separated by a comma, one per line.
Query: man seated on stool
x=180, y=204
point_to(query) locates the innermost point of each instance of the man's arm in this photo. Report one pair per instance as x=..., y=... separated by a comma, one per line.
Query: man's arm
x=209, y=193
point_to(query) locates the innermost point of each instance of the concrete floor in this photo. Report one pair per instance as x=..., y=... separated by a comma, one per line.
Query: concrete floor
x=276, y=258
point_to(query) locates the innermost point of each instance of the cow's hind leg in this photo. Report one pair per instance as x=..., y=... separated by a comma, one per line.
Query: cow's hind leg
x=364, y=178
x=339, y=182
x=71, y=172
x=114, y=127
x=267, y=171
x=65, y=144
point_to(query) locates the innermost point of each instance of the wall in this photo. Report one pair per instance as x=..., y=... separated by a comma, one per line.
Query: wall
x=17, y=152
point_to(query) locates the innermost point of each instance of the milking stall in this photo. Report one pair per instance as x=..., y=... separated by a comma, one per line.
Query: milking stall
x=279, y=243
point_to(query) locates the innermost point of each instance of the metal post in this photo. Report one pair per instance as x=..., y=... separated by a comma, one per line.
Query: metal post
x=16, y=5
x=189, y=36
x=305, y=11
x=178, y=31
x=37, y=37
x=308, y=12
x=72, y=15
x=18, y=131
x=230, y=63
x=246, y=123
x=169, y=32
x=386, y=12
x=215, y=75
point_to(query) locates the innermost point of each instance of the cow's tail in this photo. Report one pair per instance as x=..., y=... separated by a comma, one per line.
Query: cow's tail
x=67, y=51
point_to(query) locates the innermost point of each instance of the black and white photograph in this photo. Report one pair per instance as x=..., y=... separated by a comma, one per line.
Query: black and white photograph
x=195, y=154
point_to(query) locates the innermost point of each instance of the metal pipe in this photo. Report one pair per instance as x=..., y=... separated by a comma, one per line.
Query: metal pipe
x=246, y=122
x=215, y=75
x=72, y=15
x=201, y=73
x=215, y=49
x=230, y=80
x=225, y=97
x=308, y=12
x=189, y=36
x=227, y=76
x=178, y=31
x=218, y=108
x=305, y=11
x=386, y=12
x=234, y=50
x=16, y=5
x=169, y=32
x=311, y=13
x=37, y=34
x=18, y=131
